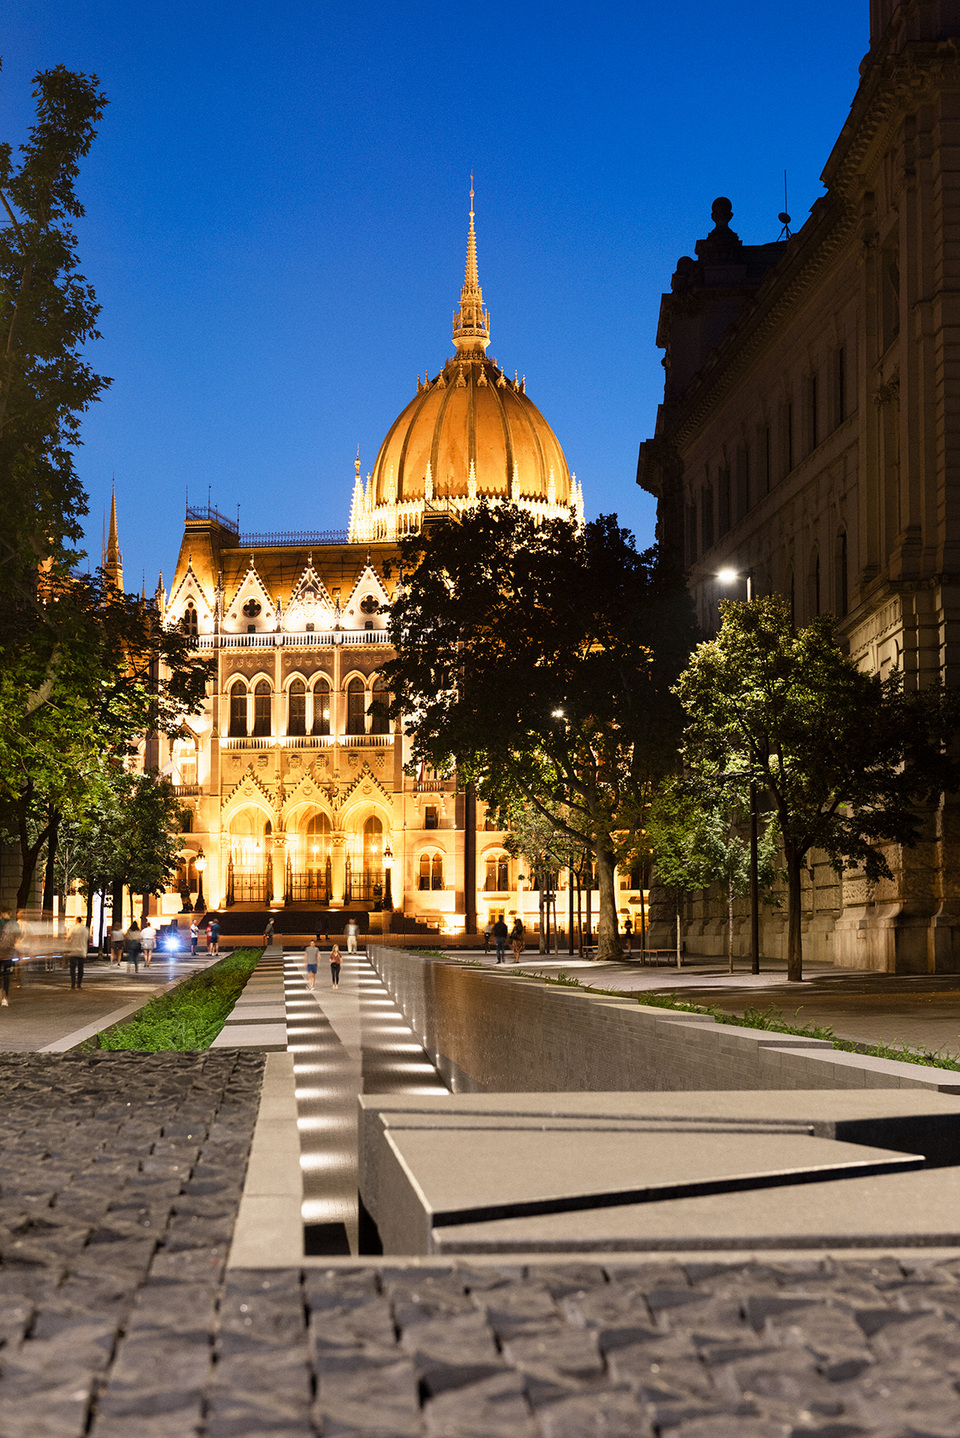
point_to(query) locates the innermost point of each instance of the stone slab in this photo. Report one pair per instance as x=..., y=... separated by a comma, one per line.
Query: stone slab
x=433, y=1176
x=269, y=1228
x=890, y=1212
x=269, y=1036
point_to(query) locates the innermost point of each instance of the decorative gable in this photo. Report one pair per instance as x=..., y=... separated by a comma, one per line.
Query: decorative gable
x=251, y=604
x=310, y=602
x=368, y=601
x=190, y=592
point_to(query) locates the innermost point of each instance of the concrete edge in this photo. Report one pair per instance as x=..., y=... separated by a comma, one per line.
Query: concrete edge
x=723, y=1257
x=269, y=1229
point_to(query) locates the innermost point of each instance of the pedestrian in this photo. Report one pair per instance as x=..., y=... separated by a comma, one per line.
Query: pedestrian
x=310, y=956
x=501, y=933
x=132, y=949
x=78, y=941
x=213, y=937
x=268, y=934
x=335, y=966
x=148, y=942
x=194, y=936
x=628, y=930
x=487, y=931
x=351, y=932
x=116, y=943
x=9, y=934
x=516, y=940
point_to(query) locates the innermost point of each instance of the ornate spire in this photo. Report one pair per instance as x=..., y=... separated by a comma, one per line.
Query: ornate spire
x=113, y=559
x=471, y=324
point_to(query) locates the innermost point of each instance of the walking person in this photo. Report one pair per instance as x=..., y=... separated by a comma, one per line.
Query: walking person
x=9, y=934
x=213, y=937
x=501, y=933
x=628, y=930
x=310, y=956
x=351, y=932
x=148, y=942
x=516, y=940
x=487, y=931
x=194, y=937
x=335, y=966
x=132, y=949
x=268, y=934
x=78, y=941
x=116, y=944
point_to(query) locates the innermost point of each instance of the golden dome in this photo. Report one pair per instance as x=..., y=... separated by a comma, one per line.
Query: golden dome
x=471, y=433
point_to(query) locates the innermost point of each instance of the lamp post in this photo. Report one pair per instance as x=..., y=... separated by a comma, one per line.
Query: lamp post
x=200, y=863
x=387, y=876
x=730, y=576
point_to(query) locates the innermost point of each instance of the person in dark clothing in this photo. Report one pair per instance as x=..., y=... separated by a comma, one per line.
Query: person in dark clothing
x=516, y=940
x=132, y=948
x=335, y=962
x=501, y=933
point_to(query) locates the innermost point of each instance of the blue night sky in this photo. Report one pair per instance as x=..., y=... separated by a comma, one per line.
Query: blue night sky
x=277, y=213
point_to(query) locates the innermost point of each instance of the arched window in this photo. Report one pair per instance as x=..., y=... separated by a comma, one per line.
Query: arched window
x=379, y=720
x=238, y=710
x=321, y=707
x=497, y=879
x=318, y=841
x=815, y=583
x=842, y=597
x=190, y=625
x=424, y=871
x=436, y=872
x=372, y=843
x=297, y=708
x=261, y=709
x=356, y=707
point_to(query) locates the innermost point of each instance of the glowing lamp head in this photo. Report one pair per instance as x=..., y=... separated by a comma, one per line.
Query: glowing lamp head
x=727, y=576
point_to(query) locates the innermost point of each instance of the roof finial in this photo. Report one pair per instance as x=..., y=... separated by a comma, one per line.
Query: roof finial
x=113, y=565
x=471, y=325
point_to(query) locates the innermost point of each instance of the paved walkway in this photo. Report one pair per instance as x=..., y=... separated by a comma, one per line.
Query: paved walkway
x=921, y=1010
x=45, y=1014
x=345, y=1041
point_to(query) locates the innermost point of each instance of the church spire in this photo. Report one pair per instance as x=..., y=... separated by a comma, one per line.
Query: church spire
x=113, y=559
x=471, y=324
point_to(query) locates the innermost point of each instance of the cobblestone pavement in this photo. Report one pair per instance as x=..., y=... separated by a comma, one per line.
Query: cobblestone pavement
x=120, y=1177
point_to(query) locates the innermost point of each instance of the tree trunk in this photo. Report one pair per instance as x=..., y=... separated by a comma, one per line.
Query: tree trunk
x=794, y=915
x=49, y=876
x=117, y=897
x=730, y=924
x=608, y=936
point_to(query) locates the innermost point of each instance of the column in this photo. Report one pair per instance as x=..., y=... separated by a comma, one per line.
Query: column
x=278, y=867
x=337, y=869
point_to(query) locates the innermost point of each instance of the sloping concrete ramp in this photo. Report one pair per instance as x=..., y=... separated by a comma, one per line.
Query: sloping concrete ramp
x=530, y=1173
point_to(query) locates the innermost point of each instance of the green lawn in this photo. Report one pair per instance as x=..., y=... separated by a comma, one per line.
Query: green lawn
x=189, y=1016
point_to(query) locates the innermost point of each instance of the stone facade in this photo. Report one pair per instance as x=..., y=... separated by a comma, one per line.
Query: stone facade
x=810, y=437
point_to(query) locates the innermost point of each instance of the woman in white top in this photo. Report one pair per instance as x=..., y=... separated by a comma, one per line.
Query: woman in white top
x=148, y=941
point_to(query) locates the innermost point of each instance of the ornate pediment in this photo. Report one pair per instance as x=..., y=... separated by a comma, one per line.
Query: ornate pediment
x=248, y=788
x=365, y=776
x=309, y=602
x=251, y=602
x=368, y=599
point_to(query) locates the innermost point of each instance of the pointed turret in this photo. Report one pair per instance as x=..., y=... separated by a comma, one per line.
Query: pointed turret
x=357, y=503
x=471, y=324
x=113, y=559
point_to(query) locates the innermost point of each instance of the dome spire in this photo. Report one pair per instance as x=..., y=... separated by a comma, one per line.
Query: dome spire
x=471, y=324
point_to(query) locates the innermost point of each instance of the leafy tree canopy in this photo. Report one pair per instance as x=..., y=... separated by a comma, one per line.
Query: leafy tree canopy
x=846, y=757
x=540, y=657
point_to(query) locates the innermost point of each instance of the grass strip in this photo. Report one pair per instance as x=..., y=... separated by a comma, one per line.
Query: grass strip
x=189, y=1016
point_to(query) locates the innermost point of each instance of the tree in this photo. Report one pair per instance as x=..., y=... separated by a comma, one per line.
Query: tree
x=540, y=657
x=535, y=837
x=695, y=843
x=95, y=671
x=845, y=757
x=48, y=313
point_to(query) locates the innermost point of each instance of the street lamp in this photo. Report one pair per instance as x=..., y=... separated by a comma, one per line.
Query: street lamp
x=387, y=873
x=731, y=576
x=200, y=863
